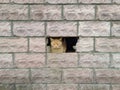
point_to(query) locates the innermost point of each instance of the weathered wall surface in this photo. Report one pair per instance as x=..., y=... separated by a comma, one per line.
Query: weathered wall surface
x=24, y=61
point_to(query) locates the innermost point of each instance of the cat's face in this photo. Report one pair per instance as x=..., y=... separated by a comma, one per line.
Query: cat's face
x=56, y=43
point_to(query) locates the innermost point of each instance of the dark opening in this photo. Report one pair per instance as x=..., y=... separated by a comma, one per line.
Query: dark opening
x=70, y=43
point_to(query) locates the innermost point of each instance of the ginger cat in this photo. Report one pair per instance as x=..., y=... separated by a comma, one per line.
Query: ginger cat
x=57, y=45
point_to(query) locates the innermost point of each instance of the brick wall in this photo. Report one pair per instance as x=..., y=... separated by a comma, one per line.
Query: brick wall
x=24, y=61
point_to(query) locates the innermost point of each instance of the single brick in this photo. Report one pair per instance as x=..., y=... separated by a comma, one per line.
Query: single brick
x=94, y=87
x=84, y=44
x=80, y=12
x=27, y=1
x=61, y=1
x=62, y=29
x=46, y=75
x=94, y=28
x=29, y=29
x=116, y=28
x=37, y=44
x=116, y=60
x=14, y=76
x=4, y=1
x=29, y=60
x=115, y=87
x=95, y=60
x=39, y=87
x=108, y=12
x=13, y=45
x=108, y=76
x=62, y=87
x=62, y=60
x=107, y=45
x=5, y=29
x=7, y=87
x=23, y=87
x=45, y=12
x=116, y=1
x=13, y=12
x=77, y=75
x=6, y=61
x=94, y=1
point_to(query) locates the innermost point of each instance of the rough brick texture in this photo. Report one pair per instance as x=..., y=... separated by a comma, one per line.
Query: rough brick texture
x=28, y=29
x=62, y=29
x=5, y=29
x=13, y=12
x=84, y=44
x=37, y=44
x=107, y=45
x=13, y=45
x=84, y=12
x=42, y=12
x=29, y=60
x=26, y=62
x=62, y=60
x=116, y=28
x=77, y=76
x=108, y=12
x=107, y=76
x=94, y=60
x=94, y=28
x=6, y=61
x=46, y=75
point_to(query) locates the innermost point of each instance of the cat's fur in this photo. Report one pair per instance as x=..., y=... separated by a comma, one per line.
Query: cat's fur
x=57, y=45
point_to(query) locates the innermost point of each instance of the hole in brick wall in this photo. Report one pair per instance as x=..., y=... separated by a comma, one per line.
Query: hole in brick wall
x=61, y=44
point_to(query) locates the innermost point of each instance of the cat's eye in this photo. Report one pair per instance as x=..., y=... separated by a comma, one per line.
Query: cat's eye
x=68, y=44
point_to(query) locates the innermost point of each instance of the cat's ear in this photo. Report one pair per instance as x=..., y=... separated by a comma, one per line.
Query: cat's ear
x=51, y=39
x=60, y=39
